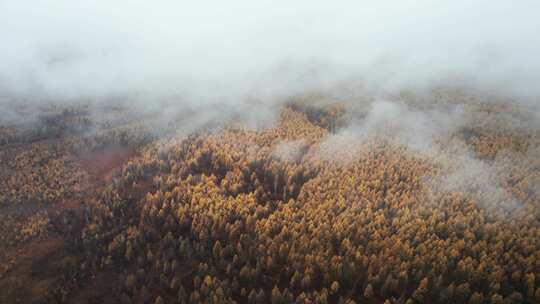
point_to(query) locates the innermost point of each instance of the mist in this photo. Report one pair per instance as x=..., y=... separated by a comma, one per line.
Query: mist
x=240, y=53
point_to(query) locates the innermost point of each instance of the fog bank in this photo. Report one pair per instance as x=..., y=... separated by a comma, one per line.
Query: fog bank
x=235, y=52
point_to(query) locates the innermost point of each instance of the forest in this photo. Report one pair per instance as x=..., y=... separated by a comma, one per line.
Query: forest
x=331, y=203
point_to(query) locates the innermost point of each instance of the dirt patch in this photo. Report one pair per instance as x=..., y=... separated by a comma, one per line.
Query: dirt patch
x=28, y=269
x=101, y=163
x=17, y=281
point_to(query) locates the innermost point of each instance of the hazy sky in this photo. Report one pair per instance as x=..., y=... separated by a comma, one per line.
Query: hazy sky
x=232, y=50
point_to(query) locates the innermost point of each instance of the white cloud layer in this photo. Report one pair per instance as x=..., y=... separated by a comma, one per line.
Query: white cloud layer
x=202, y=52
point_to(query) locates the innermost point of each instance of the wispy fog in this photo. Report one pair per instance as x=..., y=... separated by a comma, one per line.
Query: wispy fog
x=234, y=52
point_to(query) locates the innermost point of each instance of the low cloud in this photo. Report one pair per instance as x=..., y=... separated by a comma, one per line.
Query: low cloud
x=289, y=151
x=234, y=53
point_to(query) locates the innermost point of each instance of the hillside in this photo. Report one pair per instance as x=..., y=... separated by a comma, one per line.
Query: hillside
x=332, y=203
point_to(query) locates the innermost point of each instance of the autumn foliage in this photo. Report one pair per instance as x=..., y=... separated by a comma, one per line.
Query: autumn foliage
x=276, y=216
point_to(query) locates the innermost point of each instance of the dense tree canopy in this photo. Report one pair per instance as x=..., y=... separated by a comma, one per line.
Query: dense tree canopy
x=276, y=215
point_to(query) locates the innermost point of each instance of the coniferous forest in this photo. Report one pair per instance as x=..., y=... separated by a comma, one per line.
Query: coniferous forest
x=282, y=152
x=307, y=209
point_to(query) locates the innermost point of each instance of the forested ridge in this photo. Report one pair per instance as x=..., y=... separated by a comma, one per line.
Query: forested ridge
x=290, y=213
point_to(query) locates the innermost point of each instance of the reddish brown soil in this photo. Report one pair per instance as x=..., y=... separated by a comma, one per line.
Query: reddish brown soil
x=23, y=282
x=101, y=163
x=28, y=269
